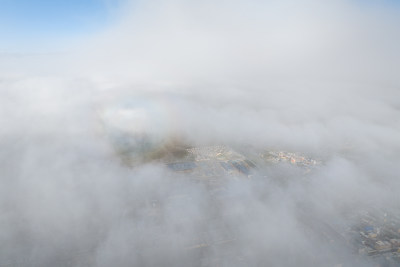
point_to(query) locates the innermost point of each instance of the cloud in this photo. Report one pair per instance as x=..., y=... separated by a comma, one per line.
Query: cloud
x=318, y=78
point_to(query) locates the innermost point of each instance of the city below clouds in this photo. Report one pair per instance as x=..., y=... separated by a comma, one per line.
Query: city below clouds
x=183, y=133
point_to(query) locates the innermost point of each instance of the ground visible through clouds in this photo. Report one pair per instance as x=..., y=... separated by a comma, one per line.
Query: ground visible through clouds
x=201, y=134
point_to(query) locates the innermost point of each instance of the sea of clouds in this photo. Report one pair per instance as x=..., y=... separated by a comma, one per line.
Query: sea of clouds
x=318, y=78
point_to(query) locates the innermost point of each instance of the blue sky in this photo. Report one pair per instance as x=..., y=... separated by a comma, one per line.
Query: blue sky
x=30, y=23
x=33, y=21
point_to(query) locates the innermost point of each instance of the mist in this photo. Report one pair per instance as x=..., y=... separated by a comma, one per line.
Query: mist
x=315, y=78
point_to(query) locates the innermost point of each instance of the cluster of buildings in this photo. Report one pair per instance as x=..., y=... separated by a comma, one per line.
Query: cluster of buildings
x=289, y=157
x=218, y=161
x=377, y=234
x=213, y=161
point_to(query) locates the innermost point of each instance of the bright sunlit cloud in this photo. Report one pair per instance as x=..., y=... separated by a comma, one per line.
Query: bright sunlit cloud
x=99, y=102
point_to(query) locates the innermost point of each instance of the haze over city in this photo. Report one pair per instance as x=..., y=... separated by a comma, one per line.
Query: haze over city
x=199, y=133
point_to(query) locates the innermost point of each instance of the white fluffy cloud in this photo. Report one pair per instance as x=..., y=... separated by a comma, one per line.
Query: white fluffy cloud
x=314, y=77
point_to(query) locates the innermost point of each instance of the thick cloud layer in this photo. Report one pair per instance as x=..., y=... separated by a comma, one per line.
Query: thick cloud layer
x=319, y=78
